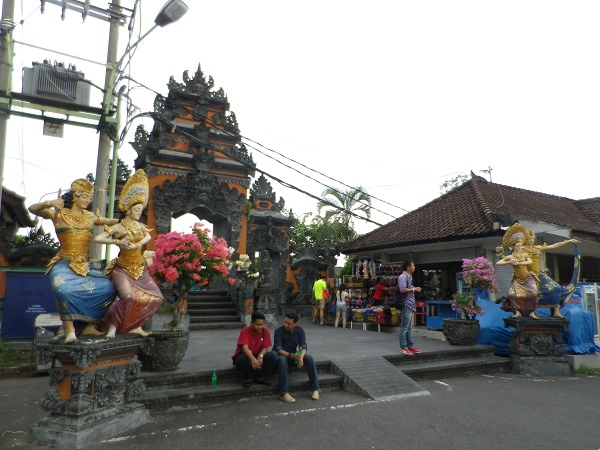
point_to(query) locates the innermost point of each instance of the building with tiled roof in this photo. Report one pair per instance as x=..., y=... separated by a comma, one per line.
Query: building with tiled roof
x=470, y=220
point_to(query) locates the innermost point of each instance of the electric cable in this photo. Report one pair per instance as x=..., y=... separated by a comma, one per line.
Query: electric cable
x=210, y=122
x=280, y=181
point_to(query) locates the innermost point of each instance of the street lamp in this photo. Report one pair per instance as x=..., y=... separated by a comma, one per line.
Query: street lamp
x=171, y=12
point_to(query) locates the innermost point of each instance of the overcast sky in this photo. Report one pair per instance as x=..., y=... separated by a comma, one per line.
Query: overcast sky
x=395, y=96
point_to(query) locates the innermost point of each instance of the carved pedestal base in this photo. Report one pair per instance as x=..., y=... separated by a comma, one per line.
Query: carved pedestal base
x=93, y=399
x=538, y=346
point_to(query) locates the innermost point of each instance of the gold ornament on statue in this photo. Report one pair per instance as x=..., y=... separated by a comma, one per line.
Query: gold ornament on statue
x=82, y=186
x=516, y=233
x=136, y=190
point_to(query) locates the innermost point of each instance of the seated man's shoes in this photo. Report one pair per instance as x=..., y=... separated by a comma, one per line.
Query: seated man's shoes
x=287, y=398
x=263, y=380
x=247, y=383
x=315, y=395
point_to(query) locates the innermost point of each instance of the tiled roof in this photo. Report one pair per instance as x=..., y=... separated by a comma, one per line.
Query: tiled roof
x=471, y=209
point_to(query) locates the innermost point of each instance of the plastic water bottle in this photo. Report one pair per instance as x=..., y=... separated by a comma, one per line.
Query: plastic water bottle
x=299, y=352
x=213, y=380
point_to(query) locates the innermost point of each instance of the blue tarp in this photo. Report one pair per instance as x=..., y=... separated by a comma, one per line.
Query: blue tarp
x=579, y=337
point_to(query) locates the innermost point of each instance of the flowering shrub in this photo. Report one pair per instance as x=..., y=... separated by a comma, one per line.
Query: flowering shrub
x=184, y=260
x=477, y=273
x=466, y=305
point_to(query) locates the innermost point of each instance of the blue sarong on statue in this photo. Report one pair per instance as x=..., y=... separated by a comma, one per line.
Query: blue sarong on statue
x=81, y=298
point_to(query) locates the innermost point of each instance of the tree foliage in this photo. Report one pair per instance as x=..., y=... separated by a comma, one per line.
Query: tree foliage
x=123, y=172
x=36, y=237
x=341, y=208
x=452, y=183
x=311, y=233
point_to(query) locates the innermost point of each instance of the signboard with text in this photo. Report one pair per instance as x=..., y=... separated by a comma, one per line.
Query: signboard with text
x=27, y=296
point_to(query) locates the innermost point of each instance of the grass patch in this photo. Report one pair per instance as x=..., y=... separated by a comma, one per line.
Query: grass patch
x=11, y=358
x=585, y=370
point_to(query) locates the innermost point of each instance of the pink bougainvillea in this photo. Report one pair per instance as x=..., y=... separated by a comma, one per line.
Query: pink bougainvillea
x=477, y=273
x=185, y=260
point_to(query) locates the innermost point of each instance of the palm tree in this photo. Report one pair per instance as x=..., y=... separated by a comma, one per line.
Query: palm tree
x=343, y=206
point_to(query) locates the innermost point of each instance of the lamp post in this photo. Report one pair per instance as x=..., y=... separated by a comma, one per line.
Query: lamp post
x=171, y=12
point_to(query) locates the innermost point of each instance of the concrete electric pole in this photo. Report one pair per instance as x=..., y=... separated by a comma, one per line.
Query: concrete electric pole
x=105, y=141
x=6, y=57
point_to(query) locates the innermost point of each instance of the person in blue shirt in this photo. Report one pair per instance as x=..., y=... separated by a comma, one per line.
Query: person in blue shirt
x=290, y=345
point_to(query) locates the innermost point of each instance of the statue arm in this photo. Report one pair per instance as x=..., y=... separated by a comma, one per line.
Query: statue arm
x=105, y=221
x=558, y=244
x=45, y=209
x=147, y=238
x=504, y=260
x=106, y=238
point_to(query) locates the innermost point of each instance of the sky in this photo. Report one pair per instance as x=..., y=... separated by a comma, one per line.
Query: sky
x=391, y=95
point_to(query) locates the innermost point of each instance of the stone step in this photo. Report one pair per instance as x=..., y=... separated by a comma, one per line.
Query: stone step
x=211, y=299
x=193, y=396
x=212, y=311
x=169, y=390
x=458, y=368
x=216, y=326
x=162, y=381
x=199, y=296
x=372, y=377
x=459, y=362
x=458, y=352
x=214, y=318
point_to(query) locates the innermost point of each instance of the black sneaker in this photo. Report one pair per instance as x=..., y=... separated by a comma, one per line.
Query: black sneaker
x=247, y=383
x=264, y=381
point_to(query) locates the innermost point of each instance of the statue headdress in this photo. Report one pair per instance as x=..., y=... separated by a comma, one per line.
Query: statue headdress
x=81, y=186
x=516, y=233
x=136, y=190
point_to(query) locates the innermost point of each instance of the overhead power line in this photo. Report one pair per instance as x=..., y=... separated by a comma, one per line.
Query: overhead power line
x=273, y=177
x=209, y=121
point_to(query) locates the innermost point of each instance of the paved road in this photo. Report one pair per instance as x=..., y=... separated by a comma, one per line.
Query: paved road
x=481, y=412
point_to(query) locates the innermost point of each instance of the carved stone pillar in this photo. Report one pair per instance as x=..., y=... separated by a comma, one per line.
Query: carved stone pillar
x=268, y=305
x=93, y=399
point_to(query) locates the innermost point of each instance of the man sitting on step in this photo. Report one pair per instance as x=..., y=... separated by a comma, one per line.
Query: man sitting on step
x=290, y=344
x=252, y=355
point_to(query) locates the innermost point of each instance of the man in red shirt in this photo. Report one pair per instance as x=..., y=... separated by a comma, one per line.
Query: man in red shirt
x=251, y=355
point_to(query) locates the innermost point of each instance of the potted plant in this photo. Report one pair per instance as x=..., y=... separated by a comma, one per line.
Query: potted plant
x=180, y=262
x=247, y=276
x=478, y=275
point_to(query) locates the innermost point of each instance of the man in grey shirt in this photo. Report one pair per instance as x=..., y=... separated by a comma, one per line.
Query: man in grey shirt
x=405, y=285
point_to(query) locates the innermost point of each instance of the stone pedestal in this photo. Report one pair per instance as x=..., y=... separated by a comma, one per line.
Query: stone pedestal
x=93, y=399
x=538, y=346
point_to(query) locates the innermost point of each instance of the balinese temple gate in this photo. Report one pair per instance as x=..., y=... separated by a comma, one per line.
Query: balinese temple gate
x=197, y=164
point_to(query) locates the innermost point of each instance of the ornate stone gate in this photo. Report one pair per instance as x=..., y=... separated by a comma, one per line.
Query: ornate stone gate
x=196, y=163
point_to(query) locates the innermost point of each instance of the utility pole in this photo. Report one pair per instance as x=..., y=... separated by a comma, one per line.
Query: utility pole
x=6, y=58
x=105, y=141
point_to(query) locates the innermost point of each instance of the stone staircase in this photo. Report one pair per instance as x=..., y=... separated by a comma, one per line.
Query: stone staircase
x=456, y=362
x=181, y=390
x=210, y=310
x=165, y=391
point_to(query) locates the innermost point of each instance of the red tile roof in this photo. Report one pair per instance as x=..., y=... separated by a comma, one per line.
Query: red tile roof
x=470, y=210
